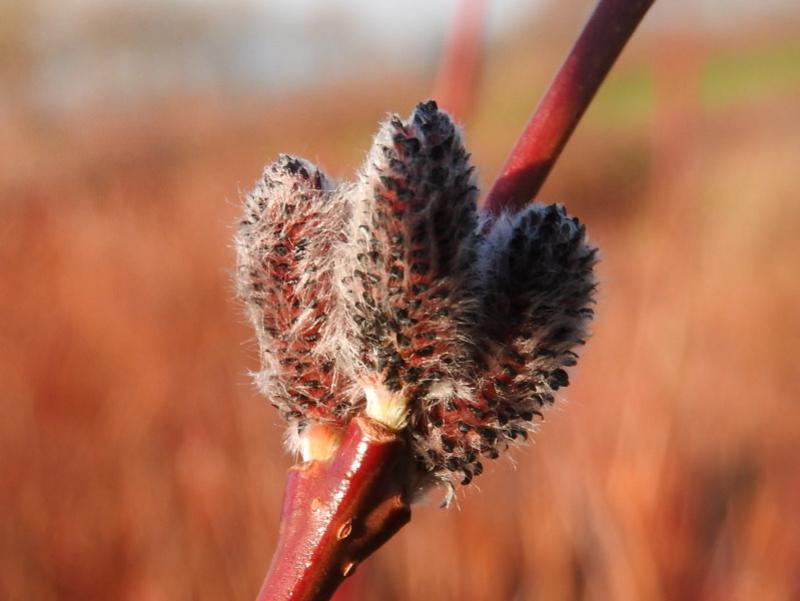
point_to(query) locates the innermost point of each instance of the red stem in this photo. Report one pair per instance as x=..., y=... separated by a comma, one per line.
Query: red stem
x=459, y=69
x=337, y=512
x=600, y=43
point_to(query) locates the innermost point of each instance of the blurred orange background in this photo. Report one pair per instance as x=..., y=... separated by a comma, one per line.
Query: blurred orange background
x=138, y=463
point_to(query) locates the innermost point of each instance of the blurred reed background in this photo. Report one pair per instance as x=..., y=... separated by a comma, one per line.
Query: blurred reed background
x=136, y=460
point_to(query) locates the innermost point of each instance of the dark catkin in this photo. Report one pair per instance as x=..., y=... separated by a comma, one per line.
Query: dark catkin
x=395, y=297
x=415, y=193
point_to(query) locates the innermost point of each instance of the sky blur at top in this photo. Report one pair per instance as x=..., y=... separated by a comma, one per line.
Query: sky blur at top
x=80, y=52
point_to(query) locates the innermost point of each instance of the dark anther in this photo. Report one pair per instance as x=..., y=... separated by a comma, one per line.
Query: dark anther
x=425, y=351
x=488, y=434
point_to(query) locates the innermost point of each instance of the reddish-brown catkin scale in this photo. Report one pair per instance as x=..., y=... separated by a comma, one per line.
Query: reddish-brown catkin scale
x=396, y=290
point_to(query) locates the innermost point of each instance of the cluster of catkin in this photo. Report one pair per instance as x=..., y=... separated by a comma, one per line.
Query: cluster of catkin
x=394, y=296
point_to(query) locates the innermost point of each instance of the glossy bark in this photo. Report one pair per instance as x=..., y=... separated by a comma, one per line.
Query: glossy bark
x=337, y=512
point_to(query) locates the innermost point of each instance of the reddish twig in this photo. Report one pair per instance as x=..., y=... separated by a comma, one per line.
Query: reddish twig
x=337, y=512
x=457, y=79
x=600, y=43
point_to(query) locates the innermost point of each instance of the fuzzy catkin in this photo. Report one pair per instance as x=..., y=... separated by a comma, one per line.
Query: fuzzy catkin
x=284, y=246
x=408, y=265
x=398, y=285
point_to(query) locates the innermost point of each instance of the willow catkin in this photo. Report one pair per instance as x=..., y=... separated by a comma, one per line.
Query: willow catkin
x=393, y=296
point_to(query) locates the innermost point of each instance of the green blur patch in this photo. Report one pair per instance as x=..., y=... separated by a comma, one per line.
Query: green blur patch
x=751, y=75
